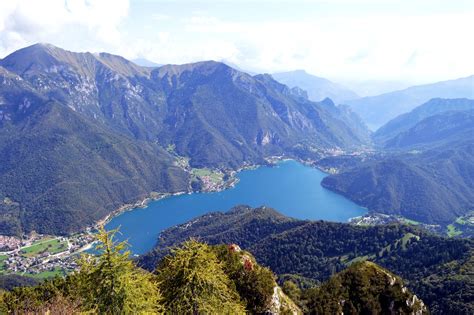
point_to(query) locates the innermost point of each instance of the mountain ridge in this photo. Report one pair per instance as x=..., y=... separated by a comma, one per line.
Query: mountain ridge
x=318, y=88
x=410, y=119
x=378, y=110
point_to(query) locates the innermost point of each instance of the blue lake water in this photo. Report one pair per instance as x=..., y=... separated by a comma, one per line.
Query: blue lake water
x=290, y=187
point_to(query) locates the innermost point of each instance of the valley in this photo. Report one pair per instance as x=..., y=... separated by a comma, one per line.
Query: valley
x=236, y=157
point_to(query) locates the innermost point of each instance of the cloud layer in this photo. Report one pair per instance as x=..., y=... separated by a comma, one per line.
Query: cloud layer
x=419, y=44
x=72, y=22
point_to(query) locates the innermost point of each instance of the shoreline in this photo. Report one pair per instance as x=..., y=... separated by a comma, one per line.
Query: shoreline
x=230, y=183
x=233, y=180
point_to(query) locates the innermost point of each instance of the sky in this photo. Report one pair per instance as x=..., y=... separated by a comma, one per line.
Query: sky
x=415, y=41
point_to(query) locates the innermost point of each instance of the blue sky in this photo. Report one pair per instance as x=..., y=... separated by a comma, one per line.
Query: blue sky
x=406, y=40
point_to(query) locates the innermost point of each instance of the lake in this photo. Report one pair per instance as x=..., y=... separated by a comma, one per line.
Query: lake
x=290, y=187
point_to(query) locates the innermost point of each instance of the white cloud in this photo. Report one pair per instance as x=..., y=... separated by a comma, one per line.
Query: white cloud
x=399, y=45
x=160, y=17
x=395, y=47
x=69, y=22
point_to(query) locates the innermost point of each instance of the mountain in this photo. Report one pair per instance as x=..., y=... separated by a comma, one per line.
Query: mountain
x=194, y=106
x=448, y=127
x=364, y=288
x=317, y=88
x=374, y=87
x=405, y=122
x=146, y=63
x=378, y=110
x=315, y=250
x=237, y=67
x=434, y=186
x=426, y=171
x=82, y=134
x=61, y=172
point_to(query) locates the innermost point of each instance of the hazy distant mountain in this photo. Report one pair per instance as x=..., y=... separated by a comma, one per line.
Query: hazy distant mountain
x=411, y=121
x=317, y=88
x=447, y=127
x=375, y=87
x=83, y=133
x=146, y=63
x=378, y=110
x=237, y=67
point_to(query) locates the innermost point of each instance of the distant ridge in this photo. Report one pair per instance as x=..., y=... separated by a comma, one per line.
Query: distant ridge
x=378, y=110
x=318, y=88
x=406, y=121
x=146, y=63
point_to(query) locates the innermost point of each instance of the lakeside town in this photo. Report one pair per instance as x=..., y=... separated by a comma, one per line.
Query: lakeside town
x=42, y=256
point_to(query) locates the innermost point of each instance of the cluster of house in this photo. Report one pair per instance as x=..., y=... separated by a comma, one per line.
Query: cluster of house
x=9, y=243
x=19, y=262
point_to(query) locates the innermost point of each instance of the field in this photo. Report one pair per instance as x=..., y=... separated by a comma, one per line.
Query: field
x=47, y=274
x=408, y=221
x=463, y=225
x=51, y=246
x=205, y=172
x=57, y=271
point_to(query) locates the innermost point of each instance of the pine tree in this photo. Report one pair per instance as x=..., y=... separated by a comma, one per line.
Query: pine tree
x=192, y=281
x=111, y=284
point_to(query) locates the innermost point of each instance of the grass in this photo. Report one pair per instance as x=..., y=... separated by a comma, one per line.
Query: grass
x=453, y=231
x=47, y=274
x=51, y=246
x=412, y=222
x=202, y=172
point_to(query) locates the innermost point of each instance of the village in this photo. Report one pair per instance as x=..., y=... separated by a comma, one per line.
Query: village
x=42, y=256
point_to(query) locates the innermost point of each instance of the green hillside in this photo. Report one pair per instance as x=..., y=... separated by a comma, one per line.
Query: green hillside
x=315, y=250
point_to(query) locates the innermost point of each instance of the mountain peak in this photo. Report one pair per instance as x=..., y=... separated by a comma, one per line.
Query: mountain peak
x=205, y=68
x=318, y=88
x=300, y=71
x=46, y=45
x=38, y=58
x=328, y=102
x=143, y=62
x=44, y=57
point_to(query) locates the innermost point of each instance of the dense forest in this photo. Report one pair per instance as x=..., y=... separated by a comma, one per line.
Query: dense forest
x=437, y=269
x=196, y=278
